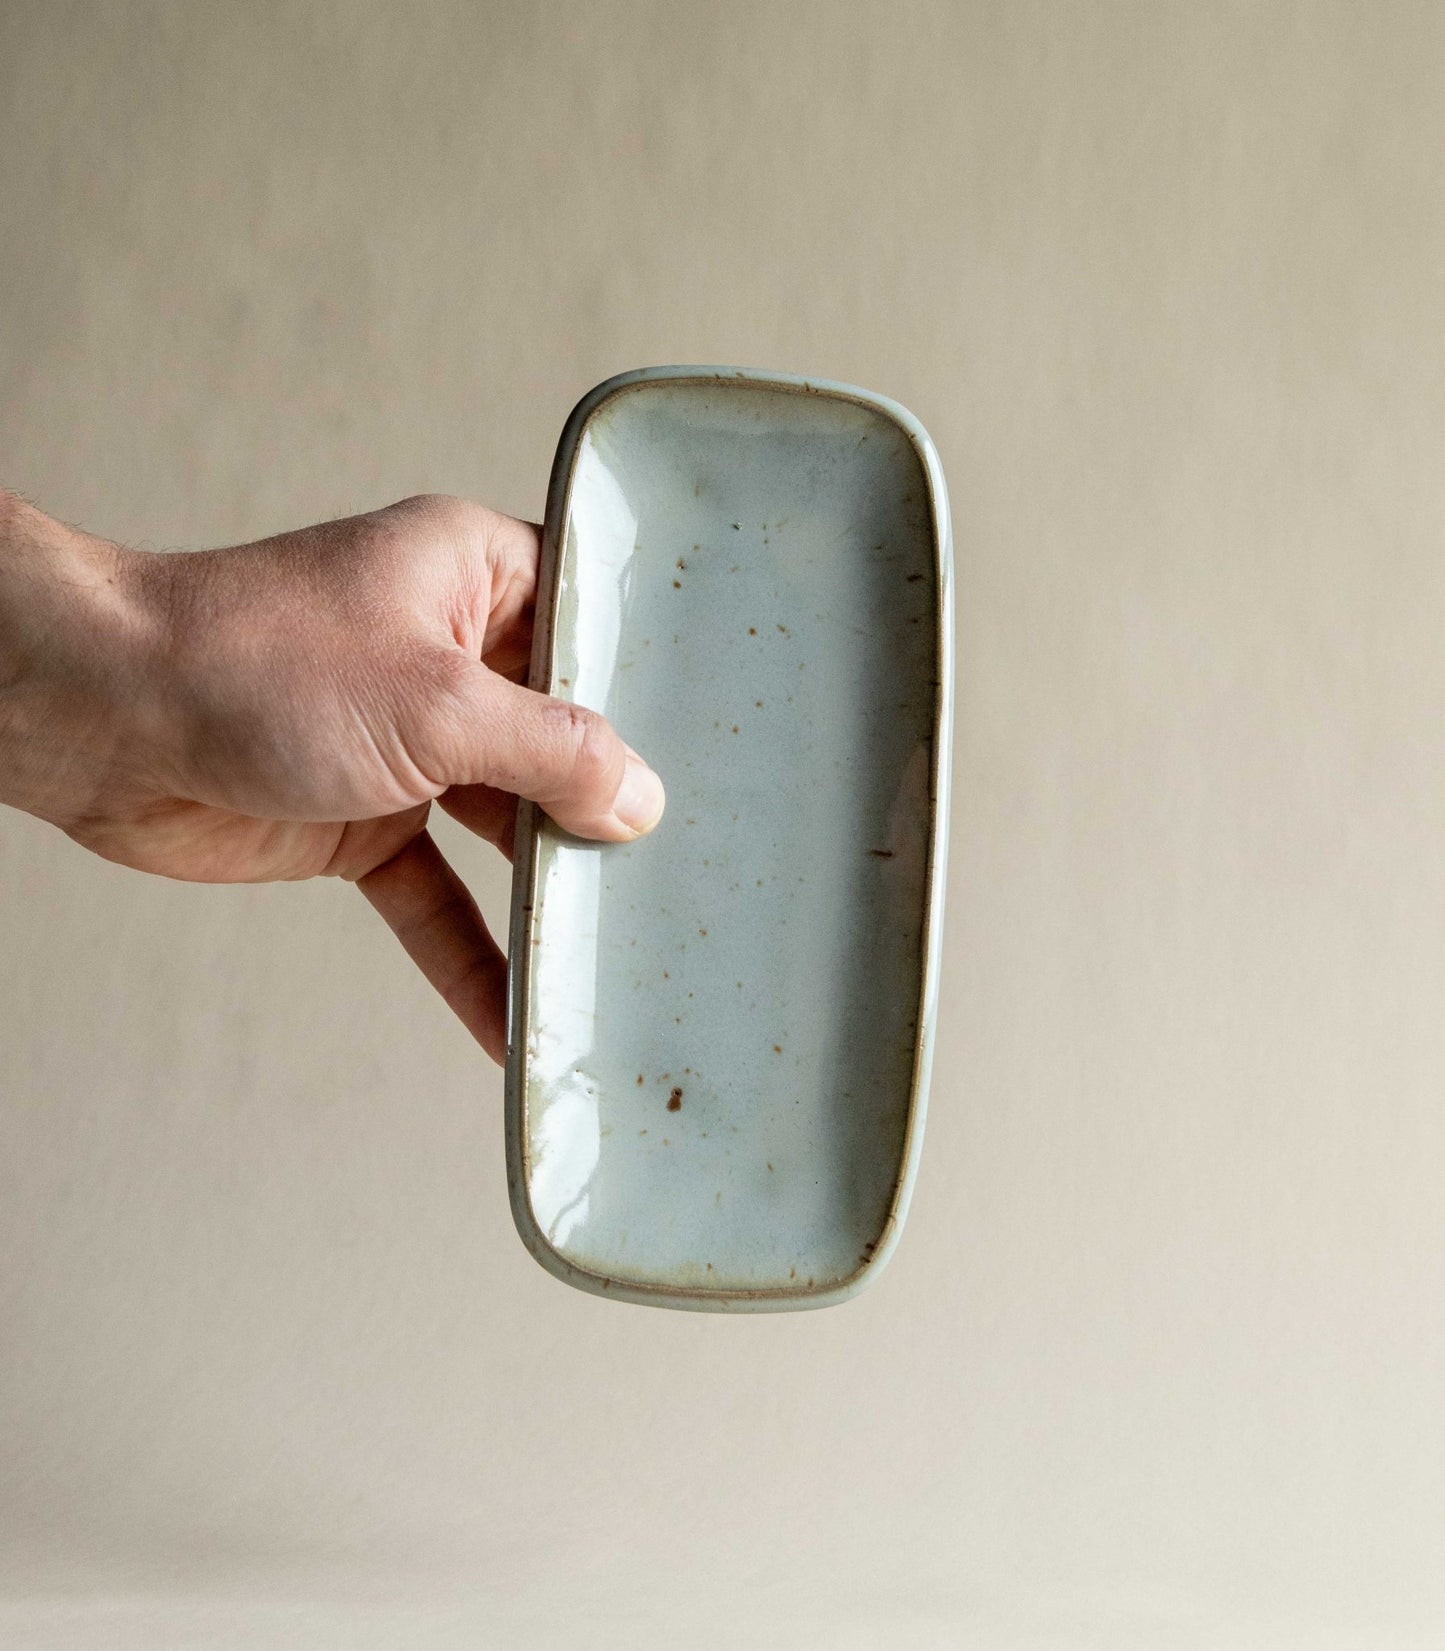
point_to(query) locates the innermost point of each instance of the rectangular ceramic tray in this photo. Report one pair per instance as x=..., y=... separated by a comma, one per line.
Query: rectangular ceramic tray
x=720, y=1034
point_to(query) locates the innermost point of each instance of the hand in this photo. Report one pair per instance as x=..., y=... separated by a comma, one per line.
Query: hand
x=292, y=708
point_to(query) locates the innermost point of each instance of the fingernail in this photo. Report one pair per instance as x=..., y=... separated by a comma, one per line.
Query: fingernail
x=640, y=798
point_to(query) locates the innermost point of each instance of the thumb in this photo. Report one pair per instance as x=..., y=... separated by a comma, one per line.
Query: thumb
x=564, y=757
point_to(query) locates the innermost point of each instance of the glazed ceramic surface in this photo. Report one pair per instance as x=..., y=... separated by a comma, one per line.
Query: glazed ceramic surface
x=720, y=1034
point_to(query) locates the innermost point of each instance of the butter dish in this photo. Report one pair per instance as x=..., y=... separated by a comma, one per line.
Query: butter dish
x=720, y=1034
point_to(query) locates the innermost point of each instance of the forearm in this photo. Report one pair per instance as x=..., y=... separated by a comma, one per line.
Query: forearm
x=75, y=637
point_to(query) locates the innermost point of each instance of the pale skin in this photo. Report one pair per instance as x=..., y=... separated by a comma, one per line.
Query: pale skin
x=293, y=708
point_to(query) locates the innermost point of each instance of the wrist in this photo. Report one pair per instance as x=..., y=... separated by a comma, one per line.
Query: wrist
x=78, y=644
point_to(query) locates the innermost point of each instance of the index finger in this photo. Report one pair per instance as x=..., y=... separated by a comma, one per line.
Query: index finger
x=429, y=909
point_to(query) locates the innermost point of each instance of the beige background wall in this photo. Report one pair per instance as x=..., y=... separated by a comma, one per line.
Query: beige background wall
x=1160, y=1363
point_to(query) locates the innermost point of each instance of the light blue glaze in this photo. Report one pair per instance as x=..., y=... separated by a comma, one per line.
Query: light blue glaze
x=721, y=1033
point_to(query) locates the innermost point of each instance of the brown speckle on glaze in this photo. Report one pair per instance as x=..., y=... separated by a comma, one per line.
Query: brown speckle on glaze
x=674, y=1101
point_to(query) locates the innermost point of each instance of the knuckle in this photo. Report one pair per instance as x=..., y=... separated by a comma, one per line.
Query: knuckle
x=397, y=530
x=423, y=504
x=595, y=754
x=446, y=512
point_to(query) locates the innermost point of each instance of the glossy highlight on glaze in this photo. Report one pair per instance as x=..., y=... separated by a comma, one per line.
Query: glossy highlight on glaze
x=720, y=1033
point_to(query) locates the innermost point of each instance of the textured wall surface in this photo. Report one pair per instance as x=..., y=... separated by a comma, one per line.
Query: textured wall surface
x=1160, y=1361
